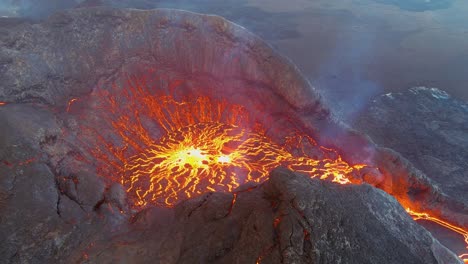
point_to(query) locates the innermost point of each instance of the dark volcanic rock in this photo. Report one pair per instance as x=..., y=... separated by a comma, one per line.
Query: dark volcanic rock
x=427, y=127
x=67, y=55
x=288, y=219
x=40, y=222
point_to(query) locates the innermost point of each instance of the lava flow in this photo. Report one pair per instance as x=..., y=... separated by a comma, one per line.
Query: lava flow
x=424, y=216
x=167, y=147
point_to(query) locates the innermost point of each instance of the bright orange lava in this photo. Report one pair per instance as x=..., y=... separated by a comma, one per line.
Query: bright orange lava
x=70, y=102
x=203, y=145
x=214, y=157
x=459, y=230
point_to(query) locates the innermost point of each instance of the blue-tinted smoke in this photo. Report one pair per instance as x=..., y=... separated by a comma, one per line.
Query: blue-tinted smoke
x=35, y=9
x=344, y=79
x=7, y=9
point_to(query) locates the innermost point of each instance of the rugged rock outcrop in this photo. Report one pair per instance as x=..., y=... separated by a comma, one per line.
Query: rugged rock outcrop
x=288, y=219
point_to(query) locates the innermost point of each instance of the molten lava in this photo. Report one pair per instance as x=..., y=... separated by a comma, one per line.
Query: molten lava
x=202, y=145
x=70, y=102
x=425, y=216
x=169, y=146
x=214, y=157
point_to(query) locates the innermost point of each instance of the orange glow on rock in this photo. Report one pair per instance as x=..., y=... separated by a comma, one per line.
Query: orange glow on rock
x=205, y=145
x=70, y=102
x=191, y=161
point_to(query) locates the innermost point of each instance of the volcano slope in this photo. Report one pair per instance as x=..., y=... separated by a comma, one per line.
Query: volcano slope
x=145, y=133
x=430, y=131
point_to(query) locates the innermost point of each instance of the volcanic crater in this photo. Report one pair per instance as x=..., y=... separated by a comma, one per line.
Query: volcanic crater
x=169, y=140
x=159, y=134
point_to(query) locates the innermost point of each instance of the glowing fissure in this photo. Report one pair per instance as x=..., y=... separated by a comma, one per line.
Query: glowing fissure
x=205, y=146
x=70, y=102
x=425, y=216
x=214, y=157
